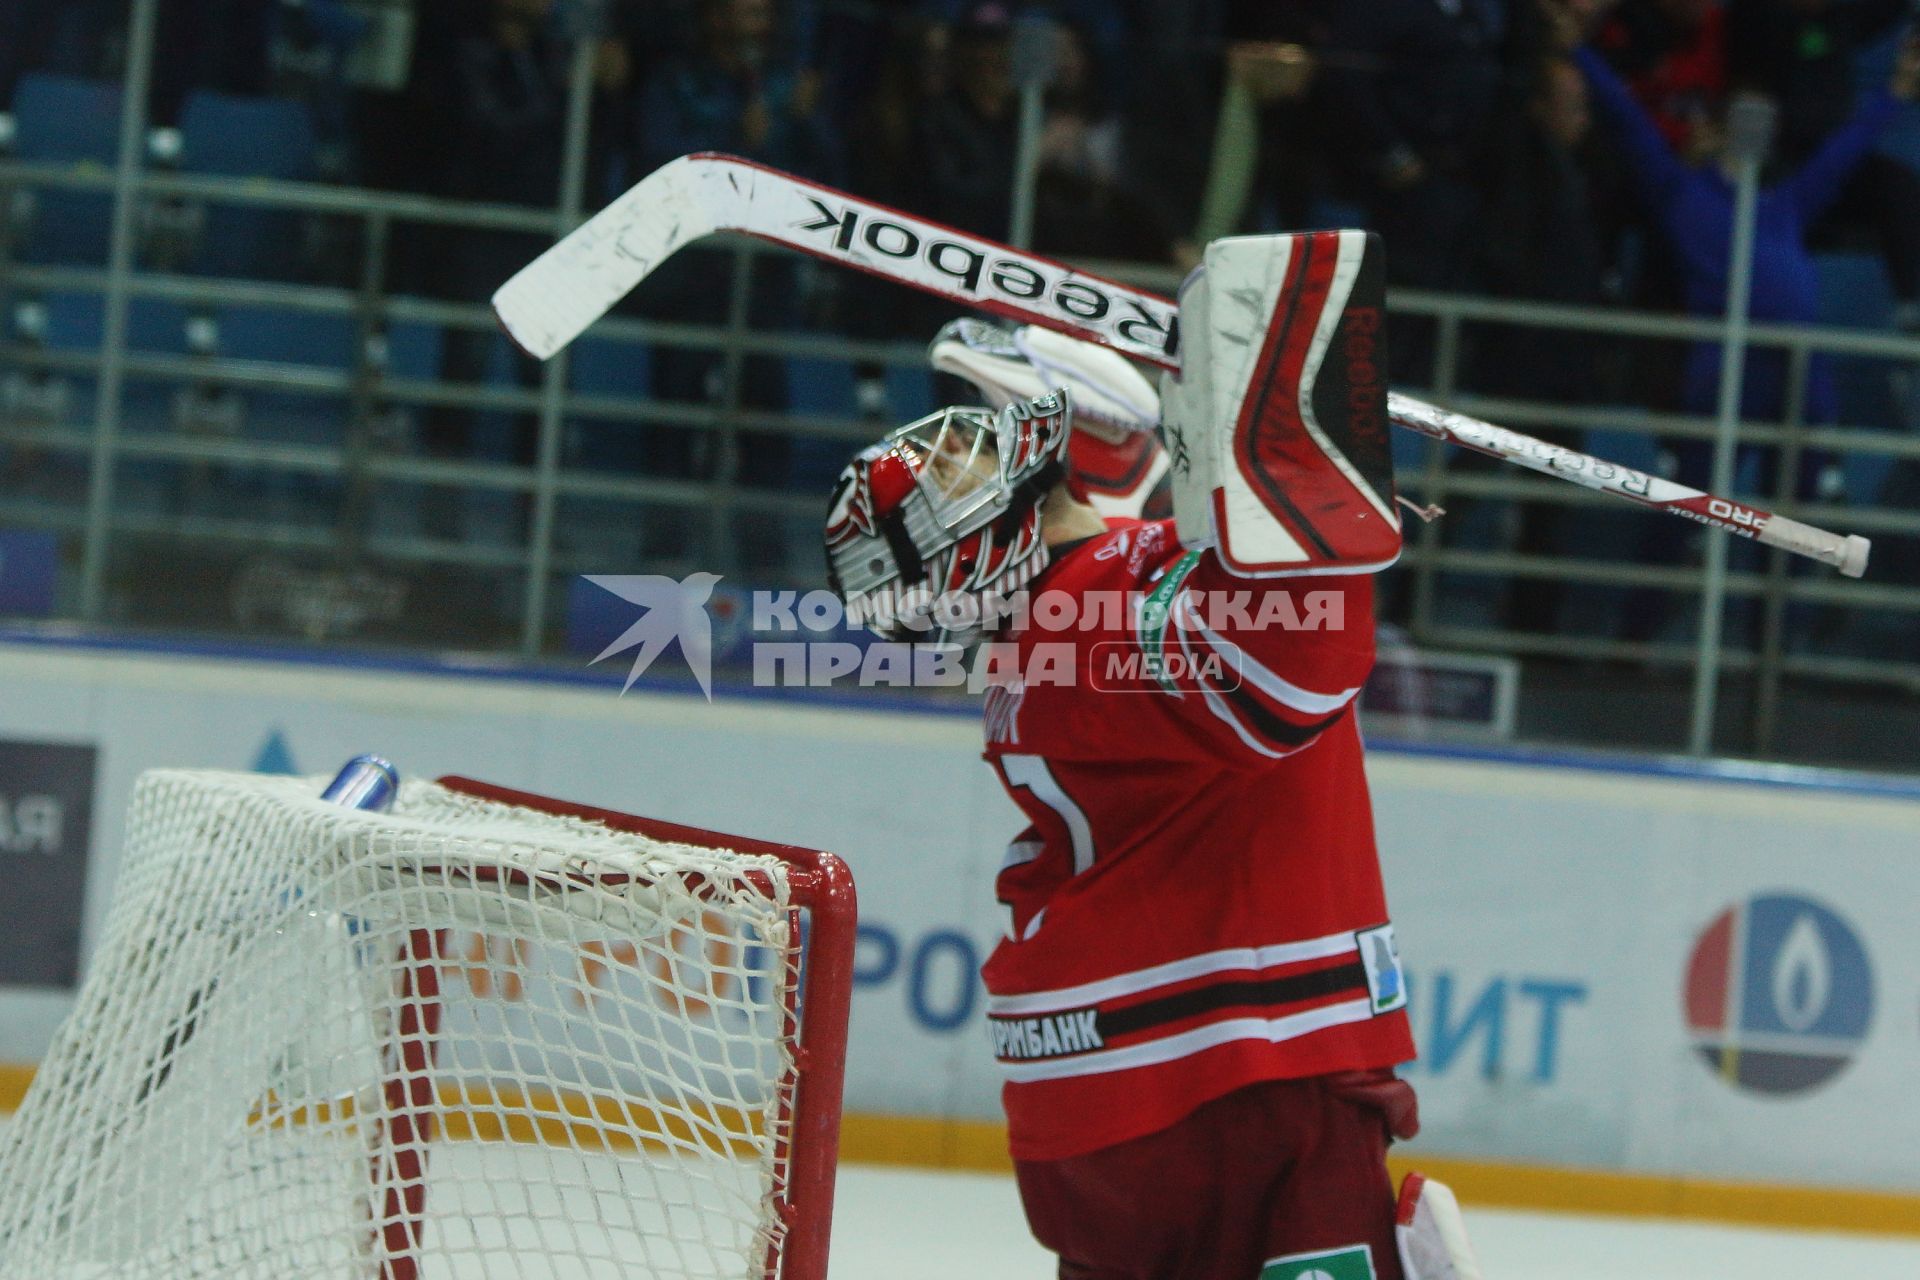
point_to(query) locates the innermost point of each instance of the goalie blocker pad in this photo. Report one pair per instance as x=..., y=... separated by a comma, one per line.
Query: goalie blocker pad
x=1277, y=422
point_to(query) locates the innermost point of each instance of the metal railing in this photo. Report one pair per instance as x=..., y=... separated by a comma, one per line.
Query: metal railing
x=366, y=458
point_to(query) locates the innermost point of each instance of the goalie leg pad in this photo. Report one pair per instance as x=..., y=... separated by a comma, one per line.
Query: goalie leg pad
x=1431, y=1233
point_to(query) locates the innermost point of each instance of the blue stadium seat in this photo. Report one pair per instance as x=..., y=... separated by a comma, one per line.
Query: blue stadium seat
x=76, y=322
x=61, y=119
x=314, y=339
x=246, y=137
x=414, y=349
x=820, y=386
x=326, y=339
x=605, y=367
x=1628, y=448
x=1856, y=292
x=1611, y=531
x=825, y=387
x=910, y=392
x=1409, y=453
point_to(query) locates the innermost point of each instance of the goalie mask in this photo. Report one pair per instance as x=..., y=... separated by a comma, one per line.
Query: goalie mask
x=931, y=530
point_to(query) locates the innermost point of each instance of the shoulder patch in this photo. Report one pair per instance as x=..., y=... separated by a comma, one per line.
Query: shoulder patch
x=1156, y=609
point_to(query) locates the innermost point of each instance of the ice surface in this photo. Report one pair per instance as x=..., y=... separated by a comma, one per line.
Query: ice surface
x=890, y=1223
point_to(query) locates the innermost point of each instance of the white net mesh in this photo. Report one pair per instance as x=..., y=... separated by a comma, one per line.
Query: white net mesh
x=244, y=1087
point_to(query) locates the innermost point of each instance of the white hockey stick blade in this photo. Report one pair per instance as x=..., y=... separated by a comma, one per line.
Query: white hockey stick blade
x=552, y=300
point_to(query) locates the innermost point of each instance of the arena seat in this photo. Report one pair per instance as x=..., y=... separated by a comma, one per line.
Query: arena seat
x=246, y=137
x=609, y=367
x=1856, y=293
x=281, y=336
x=63, y=119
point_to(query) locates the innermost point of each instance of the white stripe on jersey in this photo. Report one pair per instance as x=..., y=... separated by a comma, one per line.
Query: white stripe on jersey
x=1161, y=975
x=1218, y=705
x=1152, y=1052
x=1032, y=773
x=1283, y=691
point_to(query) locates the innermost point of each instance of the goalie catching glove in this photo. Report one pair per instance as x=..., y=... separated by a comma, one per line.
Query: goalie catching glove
x=1114, y=461
x=1111, y=398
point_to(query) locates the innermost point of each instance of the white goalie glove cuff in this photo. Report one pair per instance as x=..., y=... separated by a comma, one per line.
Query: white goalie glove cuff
x=1111, y=398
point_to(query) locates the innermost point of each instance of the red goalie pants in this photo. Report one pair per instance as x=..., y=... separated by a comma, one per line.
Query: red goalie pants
x=1278, y=1180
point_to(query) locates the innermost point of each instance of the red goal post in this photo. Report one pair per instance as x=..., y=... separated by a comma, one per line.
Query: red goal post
x=820, y=885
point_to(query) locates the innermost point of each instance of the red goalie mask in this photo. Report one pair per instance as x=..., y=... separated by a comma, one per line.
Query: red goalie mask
x=930, y=530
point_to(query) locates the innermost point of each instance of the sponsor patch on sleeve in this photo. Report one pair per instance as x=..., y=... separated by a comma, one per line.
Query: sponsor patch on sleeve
x=1380, y=954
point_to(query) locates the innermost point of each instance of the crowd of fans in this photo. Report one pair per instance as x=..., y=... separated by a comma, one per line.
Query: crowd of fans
x=1569, y=151
x=1464, y=130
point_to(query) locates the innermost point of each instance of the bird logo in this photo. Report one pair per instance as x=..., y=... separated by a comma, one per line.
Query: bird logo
x=672, y=609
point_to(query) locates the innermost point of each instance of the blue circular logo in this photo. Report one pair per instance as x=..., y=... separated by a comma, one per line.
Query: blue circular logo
x=1779, y=994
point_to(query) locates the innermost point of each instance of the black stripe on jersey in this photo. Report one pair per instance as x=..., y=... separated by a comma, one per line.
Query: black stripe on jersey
x=1262, y=993
x=1277, y=732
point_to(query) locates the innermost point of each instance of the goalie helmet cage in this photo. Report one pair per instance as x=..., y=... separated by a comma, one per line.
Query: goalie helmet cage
x=486, y=1034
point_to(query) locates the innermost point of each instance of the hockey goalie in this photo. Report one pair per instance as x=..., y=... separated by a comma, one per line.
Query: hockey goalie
x=1198, y=1004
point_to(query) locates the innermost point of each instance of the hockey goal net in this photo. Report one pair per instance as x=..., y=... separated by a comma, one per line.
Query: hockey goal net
x=481, y=1035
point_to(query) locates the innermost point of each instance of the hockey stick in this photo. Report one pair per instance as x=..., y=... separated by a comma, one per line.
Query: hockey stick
x=1845, y=552
x=552, y=300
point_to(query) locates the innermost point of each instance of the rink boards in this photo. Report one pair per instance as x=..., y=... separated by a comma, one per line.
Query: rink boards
x=1654, y=981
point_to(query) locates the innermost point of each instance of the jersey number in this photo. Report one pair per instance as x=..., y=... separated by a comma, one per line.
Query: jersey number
x=1030, y=774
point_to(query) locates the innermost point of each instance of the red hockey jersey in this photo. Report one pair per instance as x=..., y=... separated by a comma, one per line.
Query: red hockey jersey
x=1197, y=904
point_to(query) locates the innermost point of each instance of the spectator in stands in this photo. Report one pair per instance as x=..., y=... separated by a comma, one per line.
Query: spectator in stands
x=1266, y=170
x=915, y=72
x=1692, y=200
x=1085, y=204
x=1673, y=56
x=507, y=82
x=966, y=137
x=1415, y=89
x=1803, y=53
x=739, y=91
x=1173, y=61
x=742, y=90
x=862, y=50
x=1538, y=240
